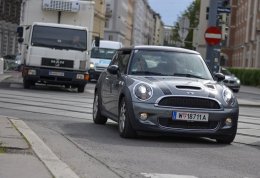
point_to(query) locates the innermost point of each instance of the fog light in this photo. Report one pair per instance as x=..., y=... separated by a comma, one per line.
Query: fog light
x=31, y=72
x=80, y=76
x=228, y=122
x=143, y=116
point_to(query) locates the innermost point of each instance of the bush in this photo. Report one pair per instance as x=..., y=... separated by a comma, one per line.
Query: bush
x=247, y=76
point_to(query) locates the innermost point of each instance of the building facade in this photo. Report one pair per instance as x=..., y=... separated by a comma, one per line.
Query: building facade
x=244, y=36
x=116, y=24
x=199, y=41
x=9, y=21
x=99, y=19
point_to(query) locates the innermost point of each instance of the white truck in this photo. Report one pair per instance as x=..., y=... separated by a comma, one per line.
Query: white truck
x=101, y=55
x=55, y=41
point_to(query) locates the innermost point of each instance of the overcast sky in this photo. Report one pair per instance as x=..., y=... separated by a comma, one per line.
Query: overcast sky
x=169, y=9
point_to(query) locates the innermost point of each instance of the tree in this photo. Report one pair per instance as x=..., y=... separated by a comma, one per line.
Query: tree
x=192, y=12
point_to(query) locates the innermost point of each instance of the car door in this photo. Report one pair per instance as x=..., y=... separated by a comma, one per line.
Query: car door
x=106, y=91
x=117, y=81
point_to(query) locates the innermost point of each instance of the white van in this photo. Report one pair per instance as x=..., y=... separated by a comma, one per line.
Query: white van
x=101, y=57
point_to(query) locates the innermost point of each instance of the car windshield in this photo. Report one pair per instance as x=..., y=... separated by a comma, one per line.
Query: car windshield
x=169, y=63
x=59, y=38
x=102, y=53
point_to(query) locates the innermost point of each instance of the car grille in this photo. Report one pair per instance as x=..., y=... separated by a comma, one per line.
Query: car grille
x=229, y=81
x=57, y=62
x=101, y=69
x=168, y=122
x=189, y=102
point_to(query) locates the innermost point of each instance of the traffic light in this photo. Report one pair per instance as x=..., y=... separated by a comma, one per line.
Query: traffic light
x=97, y=41
x=207, y=13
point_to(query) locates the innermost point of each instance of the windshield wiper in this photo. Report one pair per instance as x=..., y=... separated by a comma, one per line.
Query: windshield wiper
x=188, y=75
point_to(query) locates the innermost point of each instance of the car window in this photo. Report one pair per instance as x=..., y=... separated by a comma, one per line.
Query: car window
x=168, y=63
x=123, y=59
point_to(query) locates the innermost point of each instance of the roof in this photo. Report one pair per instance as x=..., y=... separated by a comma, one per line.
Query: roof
x=162, y=48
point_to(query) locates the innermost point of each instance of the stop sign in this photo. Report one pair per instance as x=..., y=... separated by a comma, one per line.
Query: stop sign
x=213, y=35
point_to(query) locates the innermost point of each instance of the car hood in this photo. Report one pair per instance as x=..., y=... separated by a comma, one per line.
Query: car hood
x=181, y=86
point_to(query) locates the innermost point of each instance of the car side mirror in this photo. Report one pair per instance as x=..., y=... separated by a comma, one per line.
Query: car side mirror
x=219, y=76
x=113, y=69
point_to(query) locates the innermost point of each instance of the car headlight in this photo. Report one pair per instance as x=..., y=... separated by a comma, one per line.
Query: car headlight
x=143, y=91
x=238, y=81
x=228, y=96
x=91, y=65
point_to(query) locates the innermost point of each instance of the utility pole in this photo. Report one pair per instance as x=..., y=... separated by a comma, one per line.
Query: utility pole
x=213, y=51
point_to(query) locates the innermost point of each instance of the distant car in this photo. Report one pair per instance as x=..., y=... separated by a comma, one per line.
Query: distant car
x=166, y=90
x=231, y=80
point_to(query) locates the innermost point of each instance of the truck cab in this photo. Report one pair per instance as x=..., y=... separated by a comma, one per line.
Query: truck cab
x=101, y=57
x=55, y=42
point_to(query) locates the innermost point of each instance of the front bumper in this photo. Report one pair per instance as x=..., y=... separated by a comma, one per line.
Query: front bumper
x=160, y=120
x=54, y=76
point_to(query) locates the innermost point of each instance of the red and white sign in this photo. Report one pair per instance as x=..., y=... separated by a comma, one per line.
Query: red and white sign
x=213, y=35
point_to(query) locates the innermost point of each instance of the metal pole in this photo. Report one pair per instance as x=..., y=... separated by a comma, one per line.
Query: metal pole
x=213, y=52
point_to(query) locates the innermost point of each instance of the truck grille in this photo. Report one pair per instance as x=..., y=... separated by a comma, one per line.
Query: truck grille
x=168, y=122
x=189, y=102
x=100, y=69
x=52, y=62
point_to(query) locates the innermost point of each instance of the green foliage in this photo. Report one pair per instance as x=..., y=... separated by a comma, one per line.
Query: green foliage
x=192, y=12
x=247, y=76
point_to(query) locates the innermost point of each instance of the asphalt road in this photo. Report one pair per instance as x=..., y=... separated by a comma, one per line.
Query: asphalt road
x=63, y=120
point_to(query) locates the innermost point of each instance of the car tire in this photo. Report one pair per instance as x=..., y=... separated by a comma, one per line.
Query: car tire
x=26, y=84
x=124, y=125
x=81, y=88
x=226, y=139
x=98, y=118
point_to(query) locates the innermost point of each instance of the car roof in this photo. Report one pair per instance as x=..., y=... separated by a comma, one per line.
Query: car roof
x=160, y=48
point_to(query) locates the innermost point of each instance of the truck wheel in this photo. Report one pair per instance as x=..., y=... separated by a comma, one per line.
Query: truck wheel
x=26, y=84
x=81, y=88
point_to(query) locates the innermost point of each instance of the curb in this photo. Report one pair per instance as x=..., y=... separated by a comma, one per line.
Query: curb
x=55, y=166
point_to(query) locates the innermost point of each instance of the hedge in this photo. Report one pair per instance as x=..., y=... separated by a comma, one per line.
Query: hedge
x=249, y=77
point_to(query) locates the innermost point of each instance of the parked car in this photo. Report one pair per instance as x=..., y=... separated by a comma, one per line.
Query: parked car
x=231, y=80
x=12, y=62
x=165, y=90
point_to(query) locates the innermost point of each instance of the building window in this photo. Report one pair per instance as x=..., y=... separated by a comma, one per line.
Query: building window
x=107, y=23
x=110, y=37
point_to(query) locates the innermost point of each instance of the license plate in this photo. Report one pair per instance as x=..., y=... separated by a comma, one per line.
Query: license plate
x=54, y=73
x=189, y=116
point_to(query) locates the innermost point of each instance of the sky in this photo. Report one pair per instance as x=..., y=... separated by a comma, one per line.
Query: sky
x=169, y=10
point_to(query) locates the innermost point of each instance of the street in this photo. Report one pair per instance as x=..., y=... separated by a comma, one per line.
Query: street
x=62, y=118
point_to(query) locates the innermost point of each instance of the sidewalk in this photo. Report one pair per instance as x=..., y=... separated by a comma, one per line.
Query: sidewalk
x=17, y=158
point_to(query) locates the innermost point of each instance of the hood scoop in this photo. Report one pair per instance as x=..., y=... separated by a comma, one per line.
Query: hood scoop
x=188, y=87
x=210, y=86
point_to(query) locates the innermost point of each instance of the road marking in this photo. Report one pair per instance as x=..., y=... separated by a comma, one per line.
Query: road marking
x=155, y=175
x=57, y=167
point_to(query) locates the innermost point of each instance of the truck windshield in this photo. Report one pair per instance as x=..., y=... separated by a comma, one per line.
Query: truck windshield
x=59, y=38
x=102, y=53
